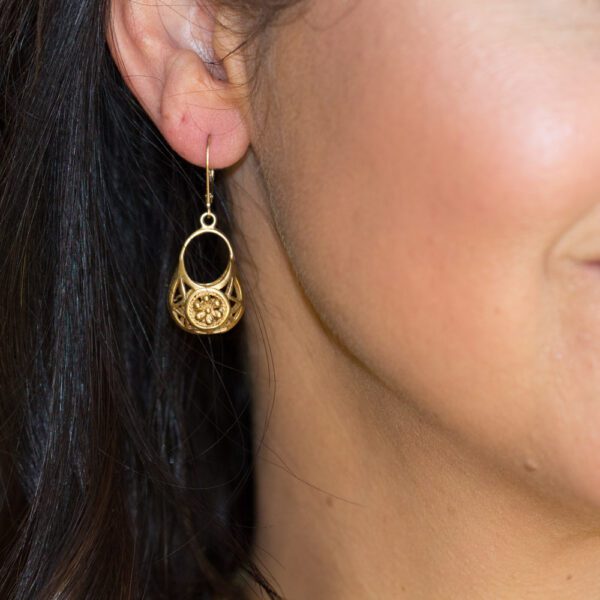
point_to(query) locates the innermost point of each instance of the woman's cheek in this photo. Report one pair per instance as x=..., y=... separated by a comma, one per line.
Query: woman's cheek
x=451, y=175
x=423, y=213
x=491, y=159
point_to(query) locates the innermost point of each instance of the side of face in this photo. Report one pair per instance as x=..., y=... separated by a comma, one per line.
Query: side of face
x=440, y=163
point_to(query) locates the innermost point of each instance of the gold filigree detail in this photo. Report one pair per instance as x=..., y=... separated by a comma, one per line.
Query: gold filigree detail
x=207, y=308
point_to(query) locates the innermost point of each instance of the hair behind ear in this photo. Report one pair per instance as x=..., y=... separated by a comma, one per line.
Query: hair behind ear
x=125, y=445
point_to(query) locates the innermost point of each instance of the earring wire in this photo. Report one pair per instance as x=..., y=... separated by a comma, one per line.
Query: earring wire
x=210, y=176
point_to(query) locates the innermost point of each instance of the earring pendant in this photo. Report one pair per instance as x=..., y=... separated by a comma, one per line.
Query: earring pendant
x=215, y=306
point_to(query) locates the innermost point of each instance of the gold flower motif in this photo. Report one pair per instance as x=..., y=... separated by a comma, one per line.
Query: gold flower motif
x=207, y=309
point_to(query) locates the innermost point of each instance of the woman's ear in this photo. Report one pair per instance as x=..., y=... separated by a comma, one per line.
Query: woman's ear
x=164, y=50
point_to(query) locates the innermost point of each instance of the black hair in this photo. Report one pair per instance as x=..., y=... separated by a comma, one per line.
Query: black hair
x=126, y=464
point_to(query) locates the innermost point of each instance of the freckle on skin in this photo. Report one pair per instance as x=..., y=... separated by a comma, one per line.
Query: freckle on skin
x=329, y=501
x=569, y=577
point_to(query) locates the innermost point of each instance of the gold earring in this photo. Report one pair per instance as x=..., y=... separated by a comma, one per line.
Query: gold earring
x=205, y=308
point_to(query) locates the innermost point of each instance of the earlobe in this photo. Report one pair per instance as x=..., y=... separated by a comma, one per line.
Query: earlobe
x=161, y=51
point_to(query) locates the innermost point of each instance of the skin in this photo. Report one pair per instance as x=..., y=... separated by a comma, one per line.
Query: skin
x=417, y=223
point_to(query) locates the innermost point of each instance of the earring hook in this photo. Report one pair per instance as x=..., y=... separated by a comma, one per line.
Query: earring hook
x=210, y=175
